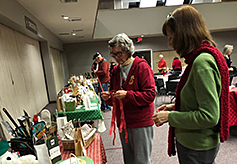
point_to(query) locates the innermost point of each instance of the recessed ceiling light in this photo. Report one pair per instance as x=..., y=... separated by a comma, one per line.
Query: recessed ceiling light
x=74, y=33
x=65, y=17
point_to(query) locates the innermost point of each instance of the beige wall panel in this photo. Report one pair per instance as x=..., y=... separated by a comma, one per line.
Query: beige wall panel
x=5, y=81
x=22, y=83
x=57, y=69
x=31, y=64
x=8, y=52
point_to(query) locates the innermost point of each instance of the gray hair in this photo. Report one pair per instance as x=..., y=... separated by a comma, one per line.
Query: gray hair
x=123, y=41
x=227, y=48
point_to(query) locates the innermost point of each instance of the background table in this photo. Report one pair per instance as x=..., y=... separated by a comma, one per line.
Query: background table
x=233, y=107
x=95, y=151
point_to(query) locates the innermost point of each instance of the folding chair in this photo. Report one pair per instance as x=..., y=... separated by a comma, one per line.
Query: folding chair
x=171, y=89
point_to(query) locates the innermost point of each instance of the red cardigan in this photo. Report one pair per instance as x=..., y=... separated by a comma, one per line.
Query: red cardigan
x=138, y=104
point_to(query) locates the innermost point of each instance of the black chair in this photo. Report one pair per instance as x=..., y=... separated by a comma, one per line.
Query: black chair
x=160, y=86
x=174, y=75
x=171, y=89
x=158, y=73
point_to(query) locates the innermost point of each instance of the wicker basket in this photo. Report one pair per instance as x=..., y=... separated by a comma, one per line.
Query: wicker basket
x=69, y=144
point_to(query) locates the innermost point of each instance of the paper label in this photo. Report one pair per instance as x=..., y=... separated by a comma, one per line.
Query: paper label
x=54, y=152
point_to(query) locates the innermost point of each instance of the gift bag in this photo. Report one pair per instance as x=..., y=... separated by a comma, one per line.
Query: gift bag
x=54, y=149
x=42, y=153
x=79, y=143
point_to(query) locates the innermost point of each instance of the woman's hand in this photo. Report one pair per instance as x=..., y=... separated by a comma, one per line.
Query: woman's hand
x=120, y=94
x=105, y=95
x=161, y=117
x=165, y=107
x=162, y=114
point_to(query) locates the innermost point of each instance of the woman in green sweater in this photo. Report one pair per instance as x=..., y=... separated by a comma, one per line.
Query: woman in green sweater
x=199, y=118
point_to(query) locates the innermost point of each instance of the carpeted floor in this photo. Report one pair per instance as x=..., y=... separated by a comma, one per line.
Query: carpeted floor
x=227, y=153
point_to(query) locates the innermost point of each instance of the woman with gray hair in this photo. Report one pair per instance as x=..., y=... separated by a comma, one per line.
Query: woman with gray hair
x=227, y=51
x=132, y=92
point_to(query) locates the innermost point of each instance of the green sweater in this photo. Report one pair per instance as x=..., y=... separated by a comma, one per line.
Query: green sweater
x=196, y=124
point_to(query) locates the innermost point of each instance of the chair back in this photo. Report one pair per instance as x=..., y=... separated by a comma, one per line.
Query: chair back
x=46, y=116
x=171, y=87
x=173, y=77
x=160, y=86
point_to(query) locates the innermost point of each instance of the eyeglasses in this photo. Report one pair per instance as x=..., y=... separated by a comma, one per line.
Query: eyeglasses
x=170, y=15
x=119, y=53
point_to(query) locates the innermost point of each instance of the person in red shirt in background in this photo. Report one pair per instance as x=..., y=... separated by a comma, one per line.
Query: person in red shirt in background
x=161, y=64
x=103, y=74
x=176, y=65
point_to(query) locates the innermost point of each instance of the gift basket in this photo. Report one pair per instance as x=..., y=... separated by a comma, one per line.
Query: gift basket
x=86, y=134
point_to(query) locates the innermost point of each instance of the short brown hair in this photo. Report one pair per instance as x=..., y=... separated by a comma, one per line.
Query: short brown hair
x=189, y=29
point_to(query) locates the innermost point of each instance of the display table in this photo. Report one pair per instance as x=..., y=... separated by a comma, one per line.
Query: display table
x=95, y=151
x=233, y=107
x=93, y=114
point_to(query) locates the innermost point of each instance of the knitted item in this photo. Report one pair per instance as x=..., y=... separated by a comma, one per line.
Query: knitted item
x=224, y=98
x=122, y=117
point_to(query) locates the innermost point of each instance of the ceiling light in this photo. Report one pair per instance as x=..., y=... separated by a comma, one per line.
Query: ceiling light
x=150, y=3
x=65, y=17
x=74, y=34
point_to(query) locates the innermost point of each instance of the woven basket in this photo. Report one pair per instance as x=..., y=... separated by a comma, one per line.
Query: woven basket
x=69, y=144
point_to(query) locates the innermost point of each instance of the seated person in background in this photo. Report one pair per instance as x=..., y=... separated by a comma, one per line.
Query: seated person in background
x=177, y=69
x=226, y=53
x=176, y=65
x=161, y=64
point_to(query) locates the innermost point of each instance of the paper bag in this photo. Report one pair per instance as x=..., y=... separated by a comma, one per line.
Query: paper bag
x=53, y=149
x=42, y=153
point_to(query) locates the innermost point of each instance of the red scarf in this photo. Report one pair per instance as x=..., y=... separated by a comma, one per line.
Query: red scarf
x=224, y=99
